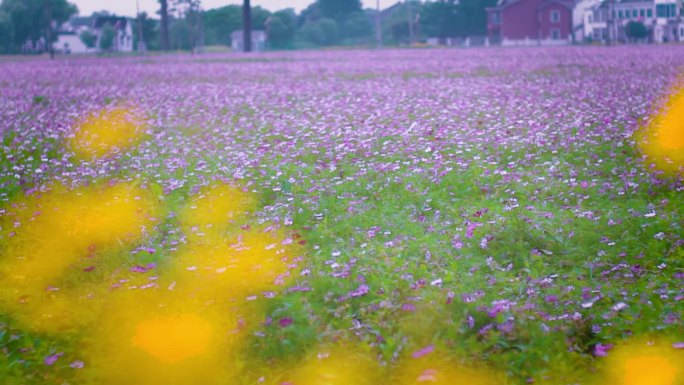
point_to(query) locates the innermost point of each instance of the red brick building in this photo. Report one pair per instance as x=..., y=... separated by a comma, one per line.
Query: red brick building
x=530, y=22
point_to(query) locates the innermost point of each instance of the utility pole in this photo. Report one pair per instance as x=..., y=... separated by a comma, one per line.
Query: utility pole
x=410, y=21
x=611, y=22
x=141, y=38
x=165, y=43
x=247, y=26
x=378, y=24
x=48, y=33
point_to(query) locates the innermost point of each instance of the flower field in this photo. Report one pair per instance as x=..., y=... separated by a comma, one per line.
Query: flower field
x=479, y=217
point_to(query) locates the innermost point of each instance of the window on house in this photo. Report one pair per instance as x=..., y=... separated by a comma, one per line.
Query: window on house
x=661, y=10
x=555, y=16
x=649, y=13
x=590, y=18
x=621, y=15
x=635, y=13
x=642, y=12
x=555, y=34
x=496, y=18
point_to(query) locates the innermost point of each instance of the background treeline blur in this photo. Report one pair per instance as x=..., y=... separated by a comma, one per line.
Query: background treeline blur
x=185, y=25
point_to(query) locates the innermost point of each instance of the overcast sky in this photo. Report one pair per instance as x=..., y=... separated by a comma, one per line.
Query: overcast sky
x=127, y=7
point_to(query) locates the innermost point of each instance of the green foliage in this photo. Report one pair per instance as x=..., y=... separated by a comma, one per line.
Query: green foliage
x=150, y=31
x=339, y=9
x=395, y=24
x=453, y=19
x=357, y=27
x=88, y=38
x=636, y=30
x=107, y=37
x=179, y=34
x=309, y=14
x=219, y=23
x=6, y=32
x=439, y=19
x=282, y=28
x=30, y=20
x=323, y=32
x=185, y=32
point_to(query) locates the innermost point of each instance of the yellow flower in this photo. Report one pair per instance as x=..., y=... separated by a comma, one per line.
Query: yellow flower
x=53, y=241
x=338, y=365
x=106, y=133
x=662, y=141
x=644, y=361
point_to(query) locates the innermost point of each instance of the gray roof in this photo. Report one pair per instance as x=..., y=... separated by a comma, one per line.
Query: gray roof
x=112, y=20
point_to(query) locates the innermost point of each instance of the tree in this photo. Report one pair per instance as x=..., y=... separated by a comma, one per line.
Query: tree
x=281, y=29
x=6, y=33
x=395, y=25
x=107, y=36
x=33, y=20
x=189, y=11
x=440, y=19
x=164, y=14
x=357, y=28
x=471, y=17
x=339, y=9
x=219, y=23
x=318, y=33
x=636, y=30
x=309, y=14
x=88, y=38
x=150, y=31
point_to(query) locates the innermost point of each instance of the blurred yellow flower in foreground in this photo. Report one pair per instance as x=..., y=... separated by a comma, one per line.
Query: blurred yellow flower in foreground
x=107, y=133
x=430, y=366
x=662, y=141
x=224, y=267
x=338, y=366
x=163, y=336
x=212, y=209
x=174, y=338
x=644, y=362
x=53, y=240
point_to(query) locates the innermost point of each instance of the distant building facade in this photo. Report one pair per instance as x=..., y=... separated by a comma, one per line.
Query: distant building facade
x=259, y=39
x=69, y=35
x=662, y=19
x=70, y=43
x=530, y=22
x=556, y=22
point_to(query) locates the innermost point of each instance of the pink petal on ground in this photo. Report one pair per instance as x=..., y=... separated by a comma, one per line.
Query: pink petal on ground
x=424, y=351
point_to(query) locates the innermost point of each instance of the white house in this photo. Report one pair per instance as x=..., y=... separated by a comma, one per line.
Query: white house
x=70, y=43
x=123, y=32
x=609, y=19
x=69, y=35
x=583, y=19
x=258, y=41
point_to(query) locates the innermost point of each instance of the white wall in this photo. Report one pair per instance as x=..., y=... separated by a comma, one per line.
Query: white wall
x=71, y=43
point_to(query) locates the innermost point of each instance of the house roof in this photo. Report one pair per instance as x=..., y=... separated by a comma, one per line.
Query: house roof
x=501, y=4
x=566, y=3
x=100, y=21
x=81, y=21
x=605, y=3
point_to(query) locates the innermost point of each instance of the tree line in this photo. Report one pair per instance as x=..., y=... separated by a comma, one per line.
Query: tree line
x=185, y=25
